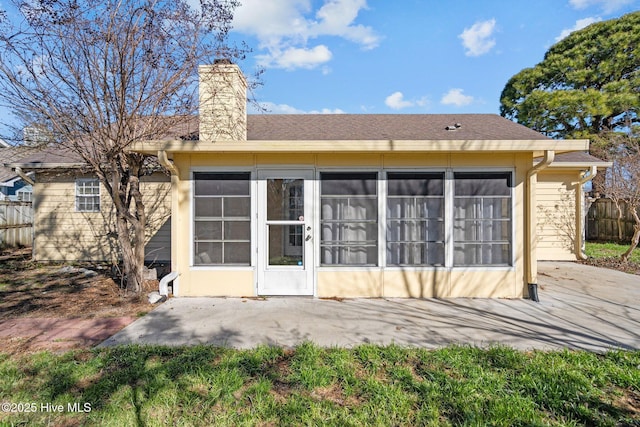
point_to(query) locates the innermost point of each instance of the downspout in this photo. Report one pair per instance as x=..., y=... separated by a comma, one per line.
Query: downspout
x=175, y=180
x=24, y=176
x=530, y=256
x=580, y=230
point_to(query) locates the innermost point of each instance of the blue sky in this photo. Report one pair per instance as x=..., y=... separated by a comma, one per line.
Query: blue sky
x=409, y=56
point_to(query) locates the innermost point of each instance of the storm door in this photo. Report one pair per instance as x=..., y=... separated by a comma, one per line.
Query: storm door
x=285, y=233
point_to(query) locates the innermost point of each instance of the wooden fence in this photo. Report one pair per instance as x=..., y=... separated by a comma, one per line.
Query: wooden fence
x=16, y=223
x=602, y=221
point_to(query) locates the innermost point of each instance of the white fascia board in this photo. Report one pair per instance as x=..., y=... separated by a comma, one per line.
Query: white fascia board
x=537, y=147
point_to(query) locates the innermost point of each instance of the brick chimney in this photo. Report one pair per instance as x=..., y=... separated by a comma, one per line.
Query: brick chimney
x=223, y=102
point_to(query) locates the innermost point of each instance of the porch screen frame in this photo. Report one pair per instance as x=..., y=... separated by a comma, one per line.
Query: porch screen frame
x=332, y=208
x=227, y=222
x=401, y=233
x=485, y=224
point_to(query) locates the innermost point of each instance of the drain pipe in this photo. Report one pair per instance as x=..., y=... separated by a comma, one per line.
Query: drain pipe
x=531, y=259
x=26, y=178
x=175, y=179
x=588, y=176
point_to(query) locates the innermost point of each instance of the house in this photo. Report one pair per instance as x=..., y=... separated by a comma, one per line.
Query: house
x=342, y=205
x=74, y=216
x=13, y=186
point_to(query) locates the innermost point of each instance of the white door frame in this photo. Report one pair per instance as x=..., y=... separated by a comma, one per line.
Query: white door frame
x=286, y=279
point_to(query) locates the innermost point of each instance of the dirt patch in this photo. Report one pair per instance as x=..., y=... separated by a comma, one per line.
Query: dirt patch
x=58, y=291
x=613, y=263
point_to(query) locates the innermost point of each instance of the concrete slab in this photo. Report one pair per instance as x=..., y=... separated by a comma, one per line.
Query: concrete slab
x=580, y=307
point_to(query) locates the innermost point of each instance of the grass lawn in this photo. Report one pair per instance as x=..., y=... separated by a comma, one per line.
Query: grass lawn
x=609, y=250
x=607, y=255
x=366, y=385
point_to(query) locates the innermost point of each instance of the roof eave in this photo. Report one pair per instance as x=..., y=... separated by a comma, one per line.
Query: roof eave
x=536, y=146
x=580, y=165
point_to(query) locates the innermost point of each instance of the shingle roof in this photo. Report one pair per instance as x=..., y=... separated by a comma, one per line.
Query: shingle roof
x=9, y=155
x=574, y=157
x=33, y=156
x=323, y=127
x=386, y=126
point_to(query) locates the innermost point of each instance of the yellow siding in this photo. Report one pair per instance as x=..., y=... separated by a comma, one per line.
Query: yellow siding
x=413, y=283
x=556, y=210
x=375, y=282
x=61, y=233
x=487, y=283
x=350, y=284
x=216, y=282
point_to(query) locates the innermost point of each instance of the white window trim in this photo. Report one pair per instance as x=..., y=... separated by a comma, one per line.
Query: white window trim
x=449, y=183
x=449, y=228
x=447, y=220
x=253, y=217
x=318, y=212
x=25, y=190
x=99, y=195
x=382, y=200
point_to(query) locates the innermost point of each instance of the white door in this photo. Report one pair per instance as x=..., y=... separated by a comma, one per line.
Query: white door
x=285, y=233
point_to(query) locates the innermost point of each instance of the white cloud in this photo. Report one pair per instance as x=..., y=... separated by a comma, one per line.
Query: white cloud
x=272, y=108
x=293, y=58
x=326, y=111
x=580, y=24
x=608, y=6
x=396, y=101
x=477, y=38
x=456, y=97
x=336, y=18
x=284, y=27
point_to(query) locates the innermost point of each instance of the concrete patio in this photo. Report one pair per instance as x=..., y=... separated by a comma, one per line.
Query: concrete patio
x=581, y=307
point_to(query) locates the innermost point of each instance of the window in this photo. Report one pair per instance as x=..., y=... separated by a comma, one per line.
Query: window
x=349, y=219
x=88, y=195
x=222, y=218
x=415, y=218
x=25, y=194
x=482, y=219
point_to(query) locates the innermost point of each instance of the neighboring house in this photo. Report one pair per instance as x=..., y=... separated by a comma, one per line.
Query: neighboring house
x=74, y=216
x=12, y=185
x=335, y=205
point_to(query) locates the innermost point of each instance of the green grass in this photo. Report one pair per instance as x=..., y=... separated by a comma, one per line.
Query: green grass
x=610, y=250
x=309, y=385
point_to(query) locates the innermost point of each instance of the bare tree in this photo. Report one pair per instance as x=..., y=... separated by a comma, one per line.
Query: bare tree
x=97, y=76
x=622, y=186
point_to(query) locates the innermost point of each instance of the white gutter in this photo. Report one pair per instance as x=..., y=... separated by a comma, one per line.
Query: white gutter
x=530, y=256
x=24, y=176
x=580, y=230
x=168, y=164
x=175, y=180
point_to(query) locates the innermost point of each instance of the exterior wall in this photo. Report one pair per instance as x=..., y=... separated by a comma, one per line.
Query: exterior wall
x=502, y=282
x=62, y=234
x=556, y=210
